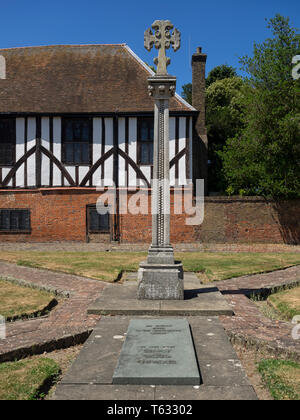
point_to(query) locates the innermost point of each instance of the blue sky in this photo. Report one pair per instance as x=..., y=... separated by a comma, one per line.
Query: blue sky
x=226, y=30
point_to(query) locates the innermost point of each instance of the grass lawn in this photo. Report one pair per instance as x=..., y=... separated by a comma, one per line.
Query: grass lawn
x=25, y=380
x=281, y=377
x=17, y=301
x=286, y=302
x=108, y=266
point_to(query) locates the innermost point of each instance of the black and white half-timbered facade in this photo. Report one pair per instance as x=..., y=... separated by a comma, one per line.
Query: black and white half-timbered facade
x=76, y=117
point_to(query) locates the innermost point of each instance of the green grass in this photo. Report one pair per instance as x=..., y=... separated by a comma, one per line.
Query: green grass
x=108, y=266
x=224, y=265
x=281, y=377
x=26, y=380
x=19, y=301
x=287, y=303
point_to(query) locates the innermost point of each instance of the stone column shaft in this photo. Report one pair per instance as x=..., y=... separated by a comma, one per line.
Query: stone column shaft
x=161, y=185
x=161, y=88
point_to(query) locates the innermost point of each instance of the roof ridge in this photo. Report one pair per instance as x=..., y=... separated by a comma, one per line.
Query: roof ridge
x=64, y=45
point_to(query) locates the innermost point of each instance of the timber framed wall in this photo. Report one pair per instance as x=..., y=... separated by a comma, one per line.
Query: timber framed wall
x=113, y=153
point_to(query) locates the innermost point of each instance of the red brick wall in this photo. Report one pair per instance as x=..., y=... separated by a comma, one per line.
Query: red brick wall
x=58, y=215
x=250, y=220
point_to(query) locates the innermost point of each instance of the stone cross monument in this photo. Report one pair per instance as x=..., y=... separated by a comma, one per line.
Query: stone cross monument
x=160, y=277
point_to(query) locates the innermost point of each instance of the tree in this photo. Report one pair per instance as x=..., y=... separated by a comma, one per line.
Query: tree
x=223, y=120
x=187, y=93
x=220, y=72
x=263, y=158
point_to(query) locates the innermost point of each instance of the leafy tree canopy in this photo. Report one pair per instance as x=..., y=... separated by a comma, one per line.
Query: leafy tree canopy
x=263, y=158
x=220, y=72
x=224, y=108
x=187, y=92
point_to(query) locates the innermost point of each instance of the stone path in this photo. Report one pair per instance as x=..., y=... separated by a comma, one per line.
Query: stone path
x=91, y=375
x=69, y=323
x=66, y=325
x=249, y=326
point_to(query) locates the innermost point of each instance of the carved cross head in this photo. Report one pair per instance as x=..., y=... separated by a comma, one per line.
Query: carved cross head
x=162, y=39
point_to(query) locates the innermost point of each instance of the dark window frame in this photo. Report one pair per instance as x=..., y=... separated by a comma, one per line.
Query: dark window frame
x=64, y=141
x=99, y=231
x=25, y=230
x=143, y=142
x=12, y=143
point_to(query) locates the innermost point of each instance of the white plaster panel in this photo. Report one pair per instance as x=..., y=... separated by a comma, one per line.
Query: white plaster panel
x=182, y=133
x=132, y=150
x=97, y=138
x=172, y=176
x=122, y=173
x=172, y=135
x=5, y=172
x=181, y=171
x=121, y=139
x=147, y=172
x=108, y=172
x=20, y=150
x=56, y=150
x=83, y=170
x=45, y=142
x=97, y=178
x=46, y=133
x=109, y=134
x=45, y=174
x=31, y=141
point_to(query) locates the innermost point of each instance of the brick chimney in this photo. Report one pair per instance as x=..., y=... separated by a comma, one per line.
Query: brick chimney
x=200, y=139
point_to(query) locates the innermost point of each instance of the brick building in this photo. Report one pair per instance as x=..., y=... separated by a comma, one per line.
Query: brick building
x=76, y=117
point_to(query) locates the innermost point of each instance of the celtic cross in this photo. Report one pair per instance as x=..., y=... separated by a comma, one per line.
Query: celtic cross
x=162, y=40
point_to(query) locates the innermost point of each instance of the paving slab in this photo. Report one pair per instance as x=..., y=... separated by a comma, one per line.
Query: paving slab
x=205, y=393
x=85, y=392
x=226, y=372
x=97, y=361
x=199, y=300
x=91, y=375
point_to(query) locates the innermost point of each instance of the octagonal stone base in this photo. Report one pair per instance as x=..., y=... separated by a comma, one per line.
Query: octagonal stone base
x=160, y=281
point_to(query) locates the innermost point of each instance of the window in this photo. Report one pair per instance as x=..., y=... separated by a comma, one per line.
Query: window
x=98, y=223
x=14, y=220
x=76, y=140
x=145, y=141
x=7, y=141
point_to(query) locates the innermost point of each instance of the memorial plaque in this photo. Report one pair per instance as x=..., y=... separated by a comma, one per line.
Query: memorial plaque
x=158, y=352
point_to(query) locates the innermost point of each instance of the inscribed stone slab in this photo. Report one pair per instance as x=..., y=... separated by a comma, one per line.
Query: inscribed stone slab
x=158, y=352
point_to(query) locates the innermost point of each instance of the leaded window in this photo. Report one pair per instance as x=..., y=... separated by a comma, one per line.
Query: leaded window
x=98, y=223
x=76, y=141
x=145, y=141
x=15, y=220
x=7, y=141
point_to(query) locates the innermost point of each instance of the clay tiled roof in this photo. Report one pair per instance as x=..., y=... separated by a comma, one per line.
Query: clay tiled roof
x=85, y=78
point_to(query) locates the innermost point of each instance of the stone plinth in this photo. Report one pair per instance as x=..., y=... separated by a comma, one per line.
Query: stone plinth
x=161, y=281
